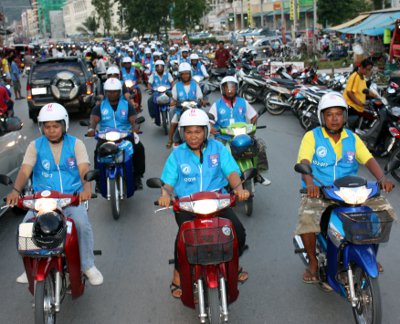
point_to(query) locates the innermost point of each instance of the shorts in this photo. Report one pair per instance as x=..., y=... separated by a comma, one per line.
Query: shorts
x=16, y=85
x=311, y=210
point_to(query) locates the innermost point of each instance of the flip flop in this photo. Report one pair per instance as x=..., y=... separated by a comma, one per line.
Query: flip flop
x=174, y=287
x=380, y=268
x=310, y=277
x=242, y=276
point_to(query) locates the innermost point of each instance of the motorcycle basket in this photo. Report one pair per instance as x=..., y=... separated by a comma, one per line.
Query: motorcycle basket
x=208, y=245
x=27, y=247
x=367, y=227
x=248, y=152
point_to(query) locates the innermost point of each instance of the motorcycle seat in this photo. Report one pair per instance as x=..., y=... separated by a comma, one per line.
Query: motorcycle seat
x=284, y=81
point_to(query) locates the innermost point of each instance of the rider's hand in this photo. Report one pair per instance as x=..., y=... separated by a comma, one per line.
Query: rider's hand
x=242, y=194
x=313, y=191
x=90, y=133
x=386, y=185
x=164, y=201
x=12, y=198
x=85, y=195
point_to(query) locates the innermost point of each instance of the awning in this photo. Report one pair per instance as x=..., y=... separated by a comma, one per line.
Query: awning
x=349, y=23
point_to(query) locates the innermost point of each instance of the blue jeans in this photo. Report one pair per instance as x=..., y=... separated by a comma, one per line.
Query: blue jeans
x=84, y=230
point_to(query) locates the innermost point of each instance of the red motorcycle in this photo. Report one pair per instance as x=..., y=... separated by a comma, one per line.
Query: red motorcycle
x=207, y=253
x=48, y=244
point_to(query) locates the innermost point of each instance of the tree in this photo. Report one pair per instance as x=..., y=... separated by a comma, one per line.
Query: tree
x=104, y=10
x=334, y=12
x=90, y=25
x=187, y=13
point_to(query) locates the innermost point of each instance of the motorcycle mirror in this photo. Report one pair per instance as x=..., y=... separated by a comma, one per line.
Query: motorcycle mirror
x=393, y=164
x=211, y=117
x=92, y=175
x=13, y=124
x=249, y=174
x=140, y=120
x=5, y=180
x=303, y=168
x=84, y=123
x=154, y=183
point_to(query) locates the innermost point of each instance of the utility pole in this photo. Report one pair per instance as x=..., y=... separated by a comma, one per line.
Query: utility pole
x=294, y=19
x=241, y=15
x=261, y=13
x=314, y=26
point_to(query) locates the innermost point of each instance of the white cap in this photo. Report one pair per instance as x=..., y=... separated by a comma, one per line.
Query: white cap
x=126, y=59
x=112, y=84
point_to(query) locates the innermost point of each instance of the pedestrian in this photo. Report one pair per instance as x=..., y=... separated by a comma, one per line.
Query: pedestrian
x=15, y=75
x=5, y=66
x=221, y=56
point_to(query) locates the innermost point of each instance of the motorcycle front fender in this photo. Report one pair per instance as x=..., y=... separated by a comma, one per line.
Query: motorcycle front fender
x=211, y=276
x=364, y=256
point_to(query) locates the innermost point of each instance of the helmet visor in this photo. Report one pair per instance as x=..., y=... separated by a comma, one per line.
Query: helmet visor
x=229, y=88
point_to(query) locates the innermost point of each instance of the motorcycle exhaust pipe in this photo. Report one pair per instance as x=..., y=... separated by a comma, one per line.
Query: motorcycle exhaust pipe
x=202, y=307
x=224, y=301
x=299, y=249
x=279, y=103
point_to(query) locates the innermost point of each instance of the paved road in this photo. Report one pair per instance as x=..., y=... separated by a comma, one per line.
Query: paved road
x=137, y=247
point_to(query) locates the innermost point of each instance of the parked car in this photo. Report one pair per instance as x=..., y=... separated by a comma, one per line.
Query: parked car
x=66, y=80
x=12, y=150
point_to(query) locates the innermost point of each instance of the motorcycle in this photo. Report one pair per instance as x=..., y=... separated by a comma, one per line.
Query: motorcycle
x=207, y=253
x=162, y=100
x=115, y=166
x=134, y=92
x=348, y=243
x=52, y=263
x=277, y=99
x=244, y=149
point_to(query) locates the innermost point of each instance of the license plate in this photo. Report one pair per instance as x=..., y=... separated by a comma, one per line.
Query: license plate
x=39, y=91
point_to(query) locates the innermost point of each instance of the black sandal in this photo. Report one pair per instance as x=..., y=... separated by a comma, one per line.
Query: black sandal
x=174, y=287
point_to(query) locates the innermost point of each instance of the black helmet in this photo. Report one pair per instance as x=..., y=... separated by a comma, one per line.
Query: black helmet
x=49, y=230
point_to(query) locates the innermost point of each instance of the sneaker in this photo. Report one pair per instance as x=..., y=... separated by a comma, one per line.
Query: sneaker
x=264, y=181
x=22, y=279
x=94, y=276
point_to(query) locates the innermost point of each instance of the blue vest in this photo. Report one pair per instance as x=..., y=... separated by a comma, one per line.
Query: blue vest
x=129, y=76
x=161, y=81
x=193, y=176
x=181, y=93
x=173, y=57
x=141, y=56
x=197, y=70
x=48, y=176
x=118, y=119
x=182, y=60
x=226, y=113
x=324, y=164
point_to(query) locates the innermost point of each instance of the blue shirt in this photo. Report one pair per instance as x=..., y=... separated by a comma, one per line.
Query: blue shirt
x=14, y=71
x=184, y=172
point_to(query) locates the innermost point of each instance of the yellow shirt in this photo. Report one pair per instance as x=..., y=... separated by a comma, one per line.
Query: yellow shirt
x=5, y=65
x=356, y=84
x=307, y=147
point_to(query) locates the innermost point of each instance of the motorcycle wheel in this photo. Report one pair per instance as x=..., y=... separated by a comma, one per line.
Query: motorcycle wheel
x=164, y=120
x=368, y=308
x=248, y=204
x=214, y=310
x=395, y=173
x=45, y=300
x=115, y=200
x=249, y=93
x=274, y=109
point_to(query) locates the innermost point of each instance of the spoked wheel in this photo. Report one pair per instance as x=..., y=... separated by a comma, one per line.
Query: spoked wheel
x=214, y=310
x=274, y=109
x=115, y=198
x=369, y=308
x=395, y=155
x=307, y=118
x=250, y=94
x=248, y=204
x=164, y=120
x=45, y=300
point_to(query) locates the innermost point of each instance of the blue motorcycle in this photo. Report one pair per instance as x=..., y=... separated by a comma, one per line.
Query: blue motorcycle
x=348, y=243
x=161, y=106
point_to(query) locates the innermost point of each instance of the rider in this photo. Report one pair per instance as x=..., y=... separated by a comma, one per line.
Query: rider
x=156, y=79
x=234, y=109
x=196, y=153
x=184, y=57
x=199, y=69
x=129, y=72
x=59, y=161
x=156, y=57
x=115, y=112
x=140, y=54
x=173, y=56
x=183, y=90
x=333, y=152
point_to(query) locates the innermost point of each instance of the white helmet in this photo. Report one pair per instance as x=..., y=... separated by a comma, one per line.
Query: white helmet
x=185, y=49
x=330, y=100
x=156, y=53
x=53, y=112
x=112, y=70
x=184, y=67
x=130, y=44
x=147, y=50
x=126, y=59
x=141, y=46
x=194, y=117
x=194, y=56
x=227, y=79
x=112, y=84
x=153, y=47
x=172, y=49
x=159, y=62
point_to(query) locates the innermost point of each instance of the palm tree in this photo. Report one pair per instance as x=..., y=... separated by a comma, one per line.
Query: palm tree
x=90, y=25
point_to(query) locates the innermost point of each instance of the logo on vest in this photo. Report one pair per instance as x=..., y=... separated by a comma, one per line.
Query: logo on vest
x=71, y=162
x=181, y=94
x=185, y=168
x=349, y=157
x=213, y=160
x=321, y=151
x=123, y=112
x=222, y=111
x=46, y=164
x=104, y=111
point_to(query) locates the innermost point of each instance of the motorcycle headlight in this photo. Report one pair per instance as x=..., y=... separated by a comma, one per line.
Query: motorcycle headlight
x=205, y=207
x=354, y=196
x=45, y=205
x=113, y=136
x=239, y=131
x=162, y=89
x=129, y=83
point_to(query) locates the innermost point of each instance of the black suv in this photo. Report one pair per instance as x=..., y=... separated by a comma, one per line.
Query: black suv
x=66, y=80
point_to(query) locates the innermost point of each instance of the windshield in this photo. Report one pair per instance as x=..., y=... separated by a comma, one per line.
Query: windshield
x=49, y=70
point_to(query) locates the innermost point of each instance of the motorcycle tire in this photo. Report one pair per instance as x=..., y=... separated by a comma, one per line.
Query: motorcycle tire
x=115, y=199
x=45, y=300
x=214, y=310
x=164, y=122
x=395, y=173
x=248, y=204
x=369, y=307
x=249, y=93
x=274, y=109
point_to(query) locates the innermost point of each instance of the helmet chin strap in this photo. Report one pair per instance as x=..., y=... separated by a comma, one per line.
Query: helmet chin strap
x=332, y=132
x=201, y=147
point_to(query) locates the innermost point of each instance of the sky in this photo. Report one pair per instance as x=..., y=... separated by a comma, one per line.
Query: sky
x=13, y=8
